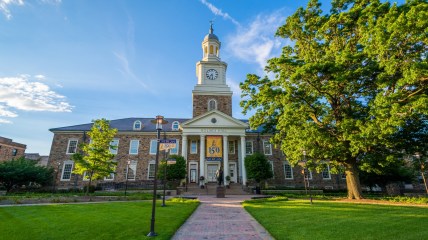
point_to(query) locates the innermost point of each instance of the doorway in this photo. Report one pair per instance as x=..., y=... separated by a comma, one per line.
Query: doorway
x=211, y=170
x=232, y=172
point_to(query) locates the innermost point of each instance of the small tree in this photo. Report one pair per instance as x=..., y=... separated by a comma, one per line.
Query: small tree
x=22, y=172
x=175, y=171
x=258, y=168
x=97, y=160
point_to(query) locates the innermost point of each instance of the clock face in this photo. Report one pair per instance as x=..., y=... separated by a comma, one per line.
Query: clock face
x=212, y=74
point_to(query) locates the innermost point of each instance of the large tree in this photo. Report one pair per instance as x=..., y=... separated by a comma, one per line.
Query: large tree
x=96, y=161
x=258, y=168
x=335, y=91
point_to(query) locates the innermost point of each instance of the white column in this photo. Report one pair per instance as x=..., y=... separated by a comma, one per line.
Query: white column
x=184, y=146
x=225, y=159
x=243, y=154
x=202, y=157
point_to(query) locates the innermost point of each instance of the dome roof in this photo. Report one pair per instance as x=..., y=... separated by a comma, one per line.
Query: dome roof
x=211, y=34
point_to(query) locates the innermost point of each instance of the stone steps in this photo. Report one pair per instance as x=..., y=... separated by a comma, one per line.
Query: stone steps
x=210, y=189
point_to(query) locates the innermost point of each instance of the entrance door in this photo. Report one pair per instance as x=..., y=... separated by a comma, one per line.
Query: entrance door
x=192, y=175
x=232, y=172
x=211, y=170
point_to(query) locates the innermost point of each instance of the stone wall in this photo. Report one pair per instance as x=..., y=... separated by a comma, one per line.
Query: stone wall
x=8, y=147
x=200, y=104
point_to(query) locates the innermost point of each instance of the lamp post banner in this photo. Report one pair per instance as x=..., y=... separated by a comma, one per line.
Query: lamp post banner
x=166, y=144
x=214, y=148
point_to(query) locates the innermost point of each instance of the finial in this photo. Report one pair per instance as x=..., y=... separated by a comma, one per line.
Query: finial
x=211, y=27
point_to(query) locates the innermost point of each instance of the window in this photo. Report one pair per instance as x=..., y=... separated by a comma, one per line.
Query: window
x=193, y=147
x=14, y=152
x=153, y=146
x=249, y=147
x=132, y=170
x=109, y=177
x=151, y=170
x=267, y=148
x=137, y=125
x=66, y=170
x=133, y=146
x=212, y=104
x=85, y=176
x=308, y=174
x=288, y=170
x=114, y=146
x=271, y=167
x=175, y=126
x=231, y=147
x=326, y=173
x=72, y=146
x=343, y=175
x=175, y=150
x=211, y=49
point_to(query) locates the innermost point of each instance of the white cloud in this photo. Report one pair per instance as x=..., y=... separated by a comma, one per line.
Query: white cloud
x=4, y=121
x=218, y=12
x=40, y=77
x=21, y=93
x=5, y=4
x=234, y=86
x=256, y=43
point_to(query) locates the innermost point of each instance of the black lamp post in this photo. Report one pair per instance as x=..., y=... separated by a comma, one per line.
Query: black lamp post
x=304, y=160
x=126, y=180
x=164, y=173
x=159, y=121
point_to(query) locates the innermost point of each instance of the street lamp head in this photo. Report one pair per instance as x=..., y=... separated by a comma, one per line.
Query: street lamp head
x=159, y=121
x=304, y=152
x=129, y=162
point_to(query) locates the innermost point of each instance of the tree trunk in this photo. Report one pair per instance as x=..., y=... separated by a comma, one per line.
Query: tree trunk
x=353, y=181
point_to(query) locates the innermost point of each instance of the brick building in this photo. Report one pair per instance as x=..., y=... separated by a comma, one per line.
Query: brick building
x=10, y=150
x=211, y=130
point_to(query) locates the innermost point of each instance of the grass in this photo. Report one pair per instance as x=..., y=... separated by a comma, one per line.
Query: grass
x=109, y=220
x=297, y=219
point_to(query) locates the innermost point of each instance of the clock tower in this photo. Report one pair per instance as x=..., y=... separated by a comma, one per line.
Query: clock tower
x=211, y=91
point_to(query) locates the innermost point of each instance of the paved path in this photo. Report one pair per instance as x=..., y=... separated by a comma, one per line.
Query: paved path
x=221, y=218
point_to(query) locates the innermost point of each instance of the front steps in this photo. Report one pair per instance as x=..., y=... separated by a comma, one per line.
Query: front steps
x=210, y=189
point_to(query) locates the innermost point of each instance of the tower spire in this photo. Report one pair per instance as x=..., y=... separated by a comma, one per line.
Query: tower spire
x=211, y=27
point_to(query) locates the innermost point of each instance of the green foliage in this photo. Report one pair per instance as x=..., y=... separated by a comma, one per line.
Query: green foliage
x=258, y=167
x=97, y=160
x=18, y=172
x=175, y=171
x=269, y=199
x=348, y=82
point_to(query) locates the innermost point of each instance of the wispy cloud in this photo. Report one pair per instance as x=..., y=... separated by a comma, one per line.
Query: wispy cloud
x=256, y=42
x=21, y=93
x=6, y=4
x=218, y=12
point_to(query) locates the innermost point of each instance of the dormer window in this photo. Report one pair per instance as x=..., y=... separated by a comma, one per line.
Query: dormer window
x=175, y=126
x=212, y=104
x=137, y=125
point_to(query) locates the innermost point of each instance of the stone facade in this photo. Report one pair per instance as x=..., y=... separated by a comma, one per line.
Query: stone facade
x=10, y=150
x=200, y=104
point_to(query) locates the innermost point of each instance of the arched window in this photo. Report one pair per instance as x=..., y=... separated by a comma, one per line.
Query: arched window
x=212, y=104
x=175, y=125
x=137, y=125
x=211, y=49
x=205, y=51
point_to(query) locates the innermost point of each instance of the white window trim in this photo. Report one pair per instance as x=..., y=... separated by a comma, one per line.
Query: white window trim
x=137, y=121
x=252, y=147
x=68, y=145
x=85, y=177
x=215, y=104
x=133, y=163
x=196, y=149
x=177, y=147
x=175, y=128
x=152, y=162
x=63, y=169
x=130, y=146
x=270, y=147
x=291, y=170
x=110, y=179
x=114, y=151
x=329, y=173
x=231, y=143
x=153, y=151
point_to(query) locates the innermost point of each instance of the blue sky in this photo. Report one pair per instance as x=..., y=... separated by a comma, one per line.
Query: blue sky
x=66, y=62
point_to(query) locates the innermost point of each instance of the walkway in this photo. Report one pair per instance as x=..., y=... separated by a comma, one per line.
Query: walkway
x=221, y=218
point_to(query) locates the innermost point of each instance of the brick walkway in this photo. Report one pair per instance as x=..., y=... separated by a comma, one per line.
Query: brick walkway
x=221, y=218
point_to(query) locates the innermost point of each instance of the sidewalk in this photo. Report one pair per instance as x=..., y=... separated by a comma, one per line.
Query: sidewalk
x=221, y=218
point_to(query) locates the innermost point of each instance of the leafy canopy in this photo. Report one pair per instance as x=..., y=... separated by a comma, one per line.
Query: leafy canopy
x=258, y=168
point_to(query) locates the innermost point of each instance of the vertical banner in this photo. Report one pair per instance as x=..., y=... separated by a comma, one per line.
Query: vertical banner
x=214, y=148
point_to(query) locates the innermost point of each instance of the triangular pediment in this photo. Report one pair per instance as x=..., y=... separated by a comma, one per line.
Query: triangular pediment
x=214, y=119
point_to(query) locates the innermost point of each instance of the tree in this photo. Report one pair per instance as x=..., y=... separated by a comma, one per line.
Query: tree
x=335, y=94
x=175, y=171
x=96, y=161
x=15, y=173
x=258, y=168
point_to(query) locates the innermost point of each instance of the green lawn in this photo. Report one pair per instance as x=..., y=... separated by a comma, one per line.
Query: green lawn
x=109, y=220
x=297, y=219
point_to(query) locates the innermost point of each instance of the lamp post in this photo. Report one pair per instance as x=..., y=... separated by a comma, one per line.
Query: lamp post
x=126, y=180
x=158, y=121
x=164, y=173
x=304, y=175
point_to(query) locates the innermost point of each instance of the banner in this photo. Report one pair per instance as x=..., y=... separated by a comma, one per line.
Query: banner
x=214, y=148
x=166, y=144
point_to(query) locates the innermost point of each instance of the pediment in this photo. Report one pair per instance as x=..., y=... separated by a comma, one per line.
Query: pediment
x=214, y=119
